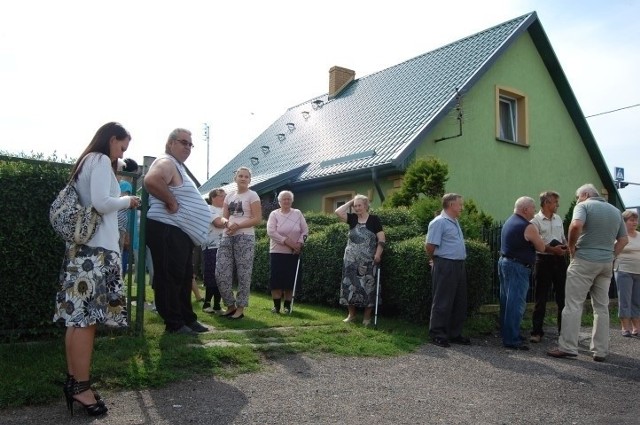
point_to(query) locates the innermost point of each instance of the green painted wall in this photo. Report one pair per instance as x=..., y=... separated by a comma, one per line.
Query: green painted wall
x=495, y=173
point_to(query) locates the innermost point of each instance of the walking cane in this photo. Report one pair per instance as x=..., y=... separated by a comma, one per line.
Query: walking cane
x=375, y=317
x=295, y=281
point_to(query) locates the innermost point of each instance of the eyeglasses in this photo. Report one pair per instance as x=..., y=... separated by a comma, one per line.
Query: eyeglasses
x=185, y=143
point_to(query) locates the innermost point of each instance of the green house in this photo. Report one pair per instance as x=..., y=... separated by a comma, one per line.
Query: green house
x=495, y=106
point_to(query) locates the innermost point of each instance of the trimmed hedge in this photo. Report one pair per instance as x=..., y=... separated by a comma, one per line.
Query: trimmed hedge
x=30, y=252
x=405, y=278
x=31, y=255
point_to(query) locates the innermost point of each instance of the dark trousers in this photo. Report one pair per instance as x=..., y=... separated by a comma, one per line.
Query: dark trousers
x=449, y=307
x=550, y=271
x=209, y=262
x=171, y=252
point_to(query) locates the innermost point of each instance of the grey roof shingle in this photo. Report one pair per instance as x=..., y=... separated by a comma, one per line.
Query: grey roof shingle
x=376, y=120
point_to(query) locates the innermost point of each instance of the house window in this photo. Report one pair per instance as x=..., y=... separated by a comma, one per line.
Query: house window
x=511, y=116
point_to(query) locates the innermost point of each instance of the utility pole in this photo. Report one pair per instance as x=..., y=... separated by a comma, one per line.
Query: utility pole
x=206, y=139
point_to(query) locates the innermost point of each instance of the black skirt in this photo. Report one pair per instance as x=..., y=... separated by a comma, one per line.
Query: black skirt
x=283, y=271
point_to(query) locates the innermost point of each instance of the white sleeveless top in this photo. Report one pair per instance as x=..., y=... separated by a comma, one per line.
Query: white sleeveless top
x=193, y=216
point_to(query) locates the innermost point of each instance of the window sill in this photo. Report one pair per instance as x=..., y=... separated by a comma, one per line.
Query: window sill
x=511, y=142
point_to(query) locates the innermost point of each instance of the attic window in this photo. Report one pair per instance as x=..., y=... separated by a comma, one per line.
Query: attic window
x=511, y=116
x=281, y=136
x=305, y=115
x=291, y=126
x=265, y=149
x=317, y=104
x=254, y=160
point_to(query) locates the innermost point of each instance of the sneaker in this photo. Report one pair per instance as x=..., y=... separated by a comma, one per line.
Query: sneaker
x=198, y=327
x=275, y=310
x=208, y=309
x=535, y=338
x=286, y=311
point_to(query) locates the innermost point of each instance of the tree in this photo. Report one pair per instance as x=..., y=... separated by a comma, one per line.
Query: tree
x=424, y=177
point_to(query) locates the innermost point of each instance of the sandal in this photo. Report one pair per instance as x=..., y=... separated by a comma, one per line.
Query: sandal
x=229, y=312
x=627, y=334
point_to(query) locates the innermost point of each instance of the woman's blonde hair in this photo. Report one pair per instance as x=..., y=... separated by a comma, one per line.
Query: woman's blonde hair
x=364, y=200
x=627, y=214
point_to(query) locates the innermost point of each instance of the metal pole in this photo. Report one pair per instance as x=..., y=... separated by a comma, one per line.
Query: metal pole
x=141, y=273
x=206, y=139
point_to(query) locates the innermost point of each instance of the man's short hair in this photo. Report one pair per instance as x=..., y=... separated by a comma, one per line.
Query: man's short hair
x=449, y=198
x=588, y=189
x=522, y=203
x=174, y=136
x=548, y=196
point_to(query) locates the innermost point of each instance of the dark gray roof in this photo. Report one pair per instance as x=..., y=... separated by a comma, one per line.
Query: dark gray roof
x=377, y=121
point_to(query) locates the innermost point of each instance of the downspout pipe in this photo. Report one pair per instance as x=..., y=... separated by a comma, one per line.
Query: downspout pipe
x=376, y=183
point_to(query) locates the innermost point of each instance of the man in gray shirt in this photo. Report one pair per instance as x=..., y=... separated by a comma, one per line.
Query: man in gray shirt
x=594, y=228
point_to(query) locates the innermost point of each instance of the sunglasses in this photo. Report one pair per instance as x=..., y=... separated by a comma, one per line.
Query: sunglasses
x=185, y=143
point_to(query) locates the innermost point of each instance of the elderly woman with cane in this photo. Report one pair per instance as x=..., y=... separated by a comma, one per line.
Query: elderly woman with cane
x=287, y=230
x=364, y=251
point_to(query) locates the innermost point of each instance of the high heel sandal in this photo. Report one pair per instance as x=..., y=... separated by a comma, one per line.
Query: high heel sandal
x=74, y=387
x=69, y=384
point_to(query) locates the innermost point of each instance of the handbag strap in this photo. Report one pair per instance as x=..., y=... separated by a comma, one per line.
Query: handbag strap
x=77, y=170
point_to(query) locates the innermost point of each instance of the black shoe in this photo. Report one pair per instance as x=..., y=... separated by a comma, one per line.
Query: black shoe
x=198, y=327
x=184, y=330
x=520, y=347
x=462, y=340
x=74, y=387
x=599, y=359
x=440, y=342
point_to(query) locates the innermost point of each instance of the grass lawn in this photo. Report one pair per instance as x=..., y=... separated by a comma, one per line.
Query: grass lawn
x=32, y=372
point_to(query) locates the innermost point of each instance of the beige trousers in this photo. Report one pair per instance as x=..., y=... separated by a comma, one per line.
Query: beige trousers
x=585, y=277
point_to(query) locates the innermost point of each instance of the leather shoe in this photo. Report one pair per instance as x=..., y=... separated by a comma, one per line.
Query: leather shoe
x=598, y=359
x=559, y=354
x=440, y=342
x=198, y=327
x=184, y=330
x=462, y=340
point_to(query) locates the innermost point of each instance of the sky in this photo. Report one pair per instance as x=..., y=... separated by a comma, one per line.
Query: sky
x=67, y=66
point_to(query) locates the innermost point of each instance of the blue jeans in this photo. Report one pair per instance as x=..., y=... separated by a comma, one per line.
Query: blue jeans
x=514, y=284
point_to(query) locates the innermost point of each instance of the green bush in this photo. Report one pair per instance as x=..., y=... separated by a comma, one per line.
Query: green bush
x=405, y=276
x=31, y=255
x=30, y=252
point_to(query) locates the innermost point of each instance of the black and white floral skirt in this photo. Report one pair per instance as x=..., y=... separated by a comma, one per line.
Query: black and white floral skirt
x=92, y=289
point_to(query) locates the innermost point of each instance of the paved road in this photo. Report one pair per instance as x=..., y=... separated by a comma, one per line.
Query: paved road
x=480, y=384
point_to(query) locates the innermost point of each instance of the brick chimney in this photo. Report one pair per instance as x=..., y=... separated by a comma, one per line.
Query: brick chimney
x=338, y=79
